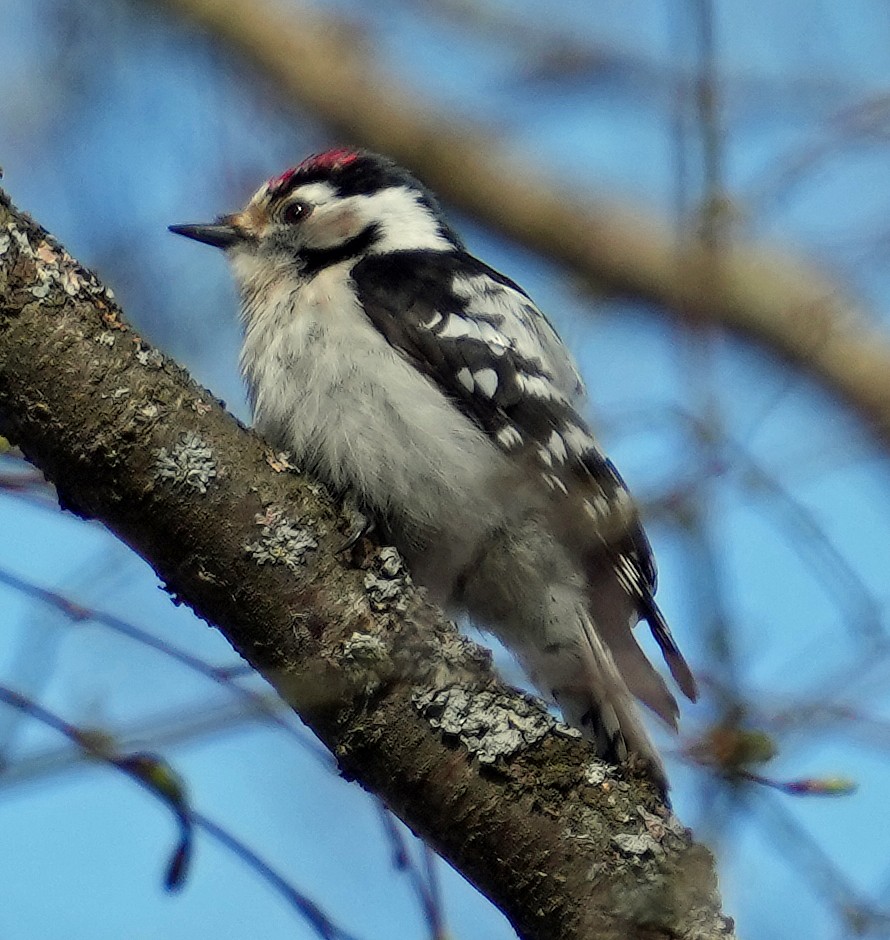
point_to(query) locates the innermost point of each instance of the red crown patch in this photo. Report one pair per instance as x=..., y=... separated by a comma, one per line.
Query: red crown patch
x=329, y=160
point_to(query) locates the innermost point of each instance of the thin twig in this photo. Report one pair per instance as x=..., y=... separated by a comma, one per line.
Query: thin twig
x=423, y=883
x=134, y=766
x=79, y=613
x=160, y=730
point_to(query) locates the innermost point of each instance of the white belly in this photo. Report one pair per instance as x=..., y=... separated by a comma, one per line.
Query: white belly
x=326, y=385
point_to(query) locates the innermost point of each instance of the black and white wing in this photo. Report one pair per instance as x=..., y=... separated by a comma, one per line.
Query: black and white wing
x=482, y=340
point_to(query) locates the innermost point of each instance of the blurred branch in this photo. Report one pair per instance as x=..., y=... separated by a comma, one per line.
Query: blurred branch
x=168, y=728
x=424, y=883
x=544, y=49
x=22, y=481
x=790, y=308
x=857, y=127
x=858, y=915
x=565, y=845
x=551, y=50
x=18, y=482
x=159, y=779
x=79, y=613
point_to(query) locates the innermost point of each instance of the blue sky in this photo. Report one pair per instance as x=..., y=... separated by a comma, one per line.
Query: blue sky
x=115, y=123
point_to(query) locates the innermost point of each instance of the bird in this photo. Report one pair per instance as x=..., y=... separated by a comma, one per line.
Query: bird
x=431, y=393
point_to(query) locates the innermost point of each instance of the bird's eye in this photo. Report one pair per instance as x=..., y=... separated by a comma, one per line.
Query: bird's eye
x=294, y=211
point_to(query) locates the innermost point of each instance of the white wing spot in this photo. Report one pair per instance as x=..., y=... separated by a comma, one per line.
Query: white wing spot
x=458, y=328
x=527, y=340
x=555, y=483
x=557, y=447
x=465, y=379
x=508, y=437
x=546, y=456
x=493, y=339
x=539, y=387
x=486, y=381
x=627, y=574
x=465, y=287
x=521, y=327
x=578, y=441
x=621, y=499
x=597, y=507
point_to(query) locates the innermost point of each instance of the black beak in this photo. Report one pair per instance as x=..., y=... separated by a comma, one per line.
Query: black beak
x=220, y=235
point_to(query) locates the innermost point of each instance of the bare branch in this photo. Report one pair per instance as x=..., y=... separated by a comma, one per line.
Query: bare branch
x=78, y=613
x=159, y=779
x=166, y=728
x=562, y=843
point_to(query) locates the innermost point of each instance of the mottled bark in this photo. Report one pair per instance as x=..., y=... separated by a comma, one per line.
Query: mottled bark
x=565, y=845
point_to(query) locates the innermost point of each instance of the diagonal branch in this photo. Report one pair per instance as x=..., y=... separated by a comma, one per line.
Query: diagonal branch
x=756, y=290
x=564, y=846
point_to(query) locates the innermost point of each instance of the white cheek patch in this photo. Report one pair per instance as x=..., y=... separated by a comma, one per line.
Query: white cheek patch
x=332, y=220
x=404, y=222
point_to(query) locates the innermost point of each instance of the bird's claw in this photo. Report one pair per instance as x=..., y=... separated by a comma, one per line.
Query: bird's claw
x=359, y=524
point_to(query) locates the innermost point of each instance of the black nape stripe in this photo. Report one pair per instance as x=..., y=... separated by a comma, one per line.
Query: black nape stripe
x=313, y=260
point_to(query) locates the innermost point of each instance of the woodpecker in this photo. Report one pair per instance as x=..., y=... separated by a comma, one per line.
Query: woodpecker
x=429, y=390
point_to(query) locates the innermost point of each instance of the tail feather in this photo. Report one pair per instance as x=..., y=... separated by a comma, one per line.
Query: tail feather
x=598, y=721
x=614, y=615
x=612, y=704
x=594, y=697
x=672, y=656
x=641, y=677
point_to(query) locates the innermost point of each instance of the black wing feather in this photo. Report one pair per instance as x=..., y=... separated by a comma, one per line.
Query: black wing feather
x=442, y=311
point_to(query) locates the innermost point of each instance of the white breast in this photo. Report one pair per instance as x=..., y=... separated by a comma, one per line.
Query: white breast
x=326, y=385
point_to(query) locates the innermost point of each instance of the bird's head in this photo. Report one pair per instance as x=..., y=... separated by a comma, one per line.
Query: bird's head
x=334, y=206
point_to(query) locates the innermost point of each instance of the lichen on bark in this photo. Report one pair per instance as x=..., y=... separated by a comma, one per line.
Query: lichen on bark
x=568, y=848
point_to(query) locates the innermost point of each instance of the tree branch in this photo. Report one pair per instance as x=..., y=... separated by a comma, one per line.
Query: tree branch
x=561, y=842
x=758, y=291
